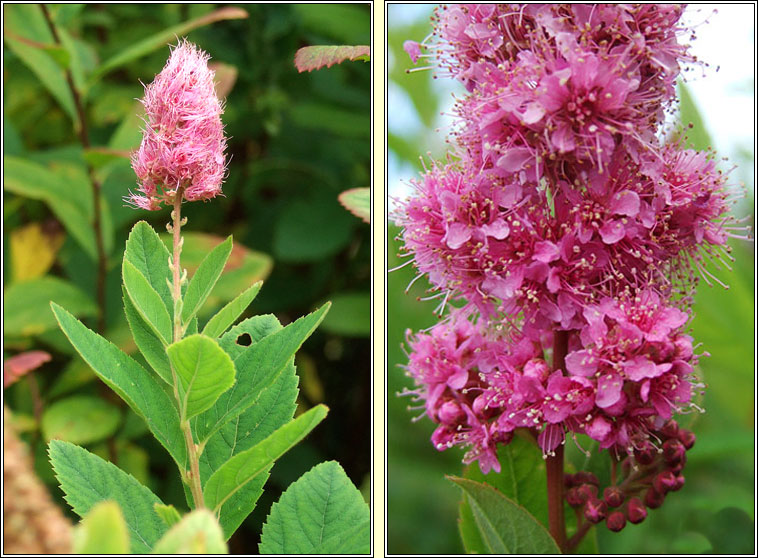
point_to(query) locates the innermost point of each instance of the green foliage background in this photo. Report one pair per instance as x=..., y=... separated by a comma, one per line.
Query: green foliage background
x=714, y=512
x=295, y=142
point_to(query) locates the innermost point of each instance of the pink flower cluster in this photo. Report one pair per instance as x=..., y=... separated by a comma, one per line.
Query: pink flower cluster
x=183, y=141
x=562, y=218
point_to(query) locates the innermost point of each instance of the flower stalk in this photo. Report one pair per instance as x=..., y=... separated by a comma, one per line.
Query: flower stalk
x=191, y=477
x=554, y=460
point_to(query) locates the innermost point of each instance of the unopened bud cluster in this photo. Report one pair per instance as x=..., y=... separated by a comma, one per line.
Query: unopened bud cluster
x=650, y=473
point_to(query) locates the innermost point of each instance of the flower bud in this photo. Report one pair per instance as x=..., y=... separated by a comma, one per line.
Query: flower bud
x=653, y=498
x=584, y=477
x=575, y=497
x=595, y=510
x=678, y=467
x=670, y=429
x=673, y=451
x=687, y=438
x=450, y=413
x=645, y=455
x=537, y=368
x=678, y=484
x=588, y=491
x=636, y=510
x=664, y=482
x=568, y=480
x=615, y=521
x=613, y=496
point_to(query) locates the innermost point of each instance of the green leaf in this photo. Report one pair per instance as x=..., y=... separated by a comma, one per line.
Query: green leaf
x=80, y=419
x=70, y=199
x=504, y=527
x=128, y=136
x=229, y=313
x=28, y=37
x=204, y=372
x=471, y=537
x=358, y=202
x=246, y=465
x=257, y=368
x=204, y=279
x=168, y=35
x=102, y=531
x=316, y=57
x=321, y=513
x=275, y=407
x=355, y=540
x=168, y=514
x=87, y=480
x=521, y=477
x=691, y=121
x=130, y=381
x=730, y=531
x=148, y=343
x=146, y=252
x=147, y=301
x=350, y=315
x=234, y=342
x=294, y=233
x=131, y=458
x=197, y=533
x=26, y=305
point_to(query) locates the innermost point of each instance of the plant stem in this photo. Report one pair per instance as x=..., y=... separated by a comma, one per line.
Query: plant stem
x=193, y=454
x=177, y=268
x=83, y=132
x=554, y=462
x=574, y=541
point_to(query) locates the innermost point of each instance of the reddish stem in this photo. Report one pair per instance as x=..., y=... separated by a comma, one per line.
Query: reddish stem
x=554, y=462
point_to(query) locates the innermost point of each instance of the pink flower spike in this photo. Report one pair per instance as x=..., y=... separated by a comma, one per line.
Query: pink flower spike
x=183, y=141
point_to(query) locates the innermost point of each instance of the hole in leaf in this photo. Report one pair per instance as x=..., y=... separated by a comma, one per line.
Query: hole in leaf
x=245, y=340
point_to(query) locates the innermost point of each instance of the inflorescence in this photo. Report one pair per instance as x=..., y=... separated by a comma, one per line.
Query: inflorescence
x=183, y=140
x=564, y=210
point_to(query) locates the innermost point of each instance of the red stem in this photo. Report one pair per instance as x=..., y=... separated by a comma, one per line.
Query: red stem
x=554, y=463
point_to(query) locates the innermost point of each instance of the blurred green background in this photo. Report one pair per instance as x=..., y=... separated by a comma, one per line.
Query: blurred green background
x=295, y=142
x=714, y=512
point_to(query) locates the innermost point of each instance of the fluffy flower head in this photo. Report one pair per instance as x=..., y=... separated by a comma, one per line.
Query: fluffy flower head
x=183, y=141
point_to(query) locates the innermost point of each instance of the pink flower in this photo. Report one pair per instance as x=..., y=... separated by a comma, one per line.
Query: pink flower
x=183, y=141
x=413, y=49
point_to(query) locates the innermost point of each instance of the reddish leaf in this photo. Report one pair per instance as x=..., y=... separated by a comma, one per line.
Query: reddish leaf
x=225, y=78
x=315, y=57
x=20, y=364
x=358, y=202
